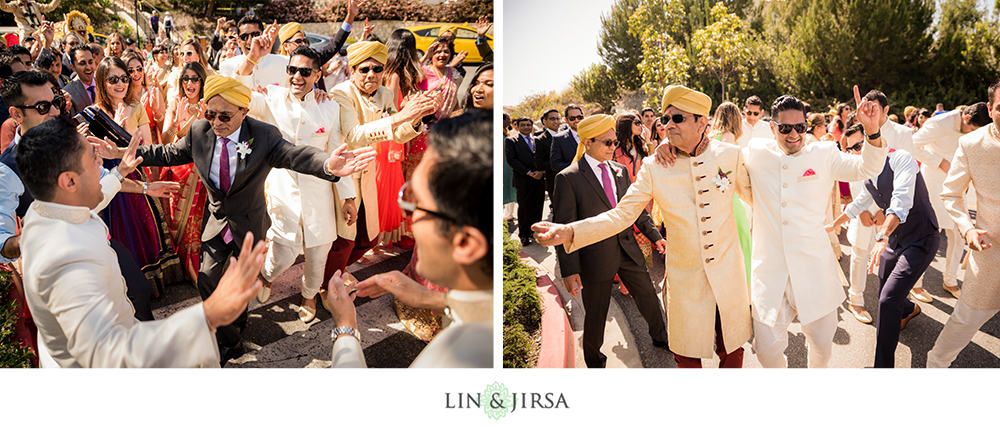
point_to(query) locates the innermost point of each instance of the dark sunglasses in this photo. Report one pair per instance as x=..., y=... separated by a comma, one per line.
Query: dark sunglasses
x=190, y=79
x=134, y=70
x=224, y=116
x=188, y=53
x=609, y=142
x=676, y=118
x=118, y=79
x=786, y=128
x=574, y=118
x=232, y=37
x=305, y=72
x=43, y=107
x=246, y=36
x=856, y=147
x=408, y=205
x=299, y=41
x=364, y=69
x=753, y=113
x=637, y=122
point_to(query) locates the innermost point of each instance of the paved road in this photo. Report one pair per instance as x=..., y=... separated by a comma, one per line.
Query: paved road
x=627, y=343
x=278, y=338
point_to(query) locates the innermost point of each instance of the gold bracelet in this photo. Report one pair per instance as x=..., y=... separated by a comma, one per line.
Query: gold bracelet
x=251, y=61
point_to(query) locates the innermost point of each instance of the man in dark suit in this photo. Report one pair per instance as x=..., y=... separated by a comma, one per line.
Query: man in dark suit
x=565, y=143
x=543, y=146
x=520, y=153
x=82, y=88
x=248, y=149
x=587, y=188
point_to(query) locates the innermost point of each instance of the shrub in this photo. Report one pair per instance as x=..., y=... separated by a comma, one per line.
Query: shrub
x=300, y=11
x=517, y=345
x=522, y=305
x=414, y=10
x=12, y=354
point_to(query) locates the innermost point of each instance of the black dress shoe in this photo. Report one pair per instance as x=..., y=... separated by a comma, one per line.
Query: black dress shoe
x=525, y=241
x=229, y=353
x=662, y=344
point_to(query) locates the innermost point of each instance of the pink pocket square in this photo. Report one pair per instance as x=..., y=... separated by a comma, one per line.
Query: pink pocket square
x=320, y=130
x=809, y=172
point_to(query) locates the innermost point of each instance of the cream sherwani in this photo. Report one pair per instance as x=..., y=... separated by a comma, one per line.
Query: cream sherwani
x=937, y=140
x=705, y=266
x=976, y=161
x=791, y=193
x=270, y=69
x=364, y=121
x=76, y=294
x=761, y=130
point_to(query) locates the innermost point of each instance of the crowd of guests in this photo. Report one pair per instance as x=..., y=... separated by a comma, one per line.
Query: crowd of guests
x=365, y=116
x=746, y=205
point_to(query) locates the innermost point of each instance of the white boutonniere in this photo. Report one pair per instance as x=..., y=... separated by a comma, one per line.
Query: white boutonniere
x=244, y=148
x=618, y=171
x=388, y=111
x=722, y=180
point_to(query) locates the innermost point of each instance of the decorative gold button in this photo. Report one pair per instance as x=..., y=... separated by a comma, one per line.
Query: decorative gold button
x=785, y=166
x=709, y=259
x=709, y=246
x=705, y=218
x=784, y=204
x=703, y=205
x=784, y=223
x=700, y=192
x=706, y=232
x=699, y=178
x=784, y=185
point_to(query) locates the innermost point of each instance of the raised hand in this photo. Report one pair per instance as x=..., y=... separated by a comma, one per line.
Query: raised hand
x=220, y=26
x=869, y=114
x=260, y=46
x=549, y=234
x=457, y=60
x=483, y=25
x=121, y=113
x=129, y=160
x=104, y=148
x=238, y=285
x=368, y=30
x=343, y=163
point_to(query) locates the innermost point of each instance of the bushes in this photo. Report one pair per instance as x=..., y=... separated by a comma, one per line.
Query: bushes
x=522, y=306
x=414, y=10
x=286, y=11
x=12, y=354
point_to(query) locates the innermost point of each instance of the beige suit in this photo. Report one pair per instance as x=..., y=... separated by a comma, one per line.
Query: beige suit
x=705, y=266
x=364, y=121
x=937, y=140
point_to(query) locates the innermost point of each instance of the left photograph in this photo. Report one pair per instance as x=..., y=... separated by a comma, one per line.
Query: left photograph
x=290, y=184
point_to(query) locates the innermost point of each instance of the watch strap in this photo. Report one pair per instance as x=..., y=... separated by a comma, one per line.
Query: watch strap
x=345, y=330
x=874, y=136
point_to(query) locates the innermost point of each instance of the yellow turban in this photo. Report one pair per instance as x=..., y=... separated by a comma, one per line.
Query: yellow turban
x=288, y=30
x=909, y=108
x=229, y=89
x=448, y=28
x=683, y=98
x=591, y=127
x=361, y=51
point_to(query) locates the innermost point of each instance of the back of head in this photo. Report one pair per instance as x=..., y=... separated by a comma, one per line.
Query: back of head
x=403, y=60
x=6, y=60
x=727, y=119
x=11, y=91
x=44, y=153
x=980, y=115
x=461, y=181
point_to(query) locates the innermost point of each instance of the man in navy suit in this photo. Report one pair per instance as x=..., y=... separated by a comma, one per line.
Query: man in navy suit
x=565, y=143
x=520, y=153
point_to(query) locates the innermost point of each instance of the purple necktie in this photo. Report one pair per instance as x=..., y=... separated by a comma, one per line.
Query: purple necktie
x=531, y=144
x=224, y=182
x=90, y=91
x=606, y=178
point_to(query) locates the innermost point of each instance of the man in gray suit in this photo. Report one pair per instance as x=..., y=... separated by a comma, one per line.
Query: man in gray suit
x=236, y=203
x=81, y=89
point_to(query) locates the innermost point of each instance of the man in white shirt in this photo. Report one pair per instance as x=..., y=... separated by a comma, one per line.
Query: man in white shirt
x=566, y=142
x=753, y=109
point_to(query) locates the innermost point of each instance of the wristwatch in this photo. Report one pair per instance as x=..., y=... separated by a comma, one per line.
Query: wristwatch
x=345, y=330
x=879, y=237
x=118, y=174
x=874, y=136
x=145, y=187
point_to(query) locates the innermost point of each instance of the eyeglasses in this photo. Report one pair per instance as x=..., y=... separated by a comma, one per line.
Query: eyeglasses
x=612, y=143
x=676, y=118
x=856, y=147
x=637, y=122
x=305, y=72
x=232, y=37
x=377, y=69
x=753, y=113
x=190, y=79
x=134, y=70
x=554, y=119
x=188, y=53
x=786, y=128
x=224, y=116
x=408, y=204
x=118, y=79
x=247, y=36
x=43, y=107
x=574, y=118
x=299, y=41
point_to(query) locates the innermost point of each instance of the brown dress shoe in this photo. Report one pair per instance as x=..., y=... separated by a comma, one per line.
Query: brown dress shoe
x=916, y=310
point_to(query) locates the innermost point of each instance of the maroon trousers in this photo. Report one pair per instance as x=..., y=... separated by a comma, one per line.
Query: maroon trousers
x=733, y=359
x=345, y=251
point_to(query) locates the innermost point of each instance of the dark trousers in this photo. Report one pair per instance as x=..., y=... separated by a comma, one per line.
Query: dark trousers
x=530, y=202
x=345, y=251
x=732, y=359
x=597, y=301
x=550, y=184
x=898, y=271
x=137, y=287
x=215, y=255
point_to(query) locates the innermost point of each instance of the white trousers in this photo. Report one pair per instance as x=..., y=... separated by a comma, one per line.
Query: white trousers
x=510, y=210
x=281, y=257
x=861, y=238
x=956, y=245
x=770, y=342
x=958, y=331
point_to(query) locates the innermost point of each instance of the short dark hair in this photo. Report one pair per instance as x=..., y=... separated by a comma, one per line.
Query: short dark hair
x=44, y=153
x=11, y=91
x=44, y=61
x=159, y=48
x=980, y=114
x=857, y=127
x=786, y=103
x=7, y=59
x=571, y=107
x=992, y=92
x=523, y=119
x=546, y=113
x=307, y=51
x=875, y=95
x=461, y=182
x=644, y=110
x=18, y=50
x=754, y=100
x=75, y=48
x=250, y=19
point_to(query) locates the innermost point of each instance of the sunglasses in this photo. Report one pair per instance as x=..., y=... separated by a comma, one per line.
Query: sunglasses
x=305, y=72
x=408, y=204
x=190, y=79
x=637, y=122
x=612, y=143
x=574, y=118
x=676, y=118
x=224, y=116
x=554, y=119
x=134, y=70
x=856, y=147
x=43, y=107
x=753, y=113
x=786, y=128
x=188, y=53
x=299, y=41
x=118, y=79
x=376, y=69
x=247, y=36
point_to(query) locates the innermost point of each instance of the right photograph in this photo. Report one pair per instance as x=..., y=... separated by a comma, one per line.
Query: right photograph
x=751, y=184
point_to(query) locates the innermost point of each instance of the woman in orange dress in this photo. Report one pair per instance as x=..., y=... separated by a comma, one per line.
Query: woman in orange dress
x=633, y=146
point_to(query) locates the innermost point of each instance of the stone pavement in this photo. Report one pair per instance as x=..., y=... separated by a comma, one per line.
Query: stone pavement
x=627, y=343
x=278, y=339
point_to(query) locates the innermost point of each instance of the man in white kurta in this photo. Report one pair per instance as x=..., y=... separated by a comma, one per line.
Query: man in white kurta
x=753, y=126
x=303, y=209
x=793, y=269
x=934, y=146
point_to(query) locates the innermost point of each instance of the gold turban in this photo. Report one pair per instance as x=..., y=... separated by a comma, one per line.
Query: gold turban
x=361, y=51
x=448, y=28
x=908, y=110
x=286, y=33
x=686, y=99
x=591, y=127
x=229, y=89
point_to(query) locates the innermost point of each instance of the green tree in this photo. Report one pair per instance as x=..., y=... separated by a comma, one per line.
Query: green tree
x=659, y=26
x=620, y=50
x=596, y=84
x=722, y=49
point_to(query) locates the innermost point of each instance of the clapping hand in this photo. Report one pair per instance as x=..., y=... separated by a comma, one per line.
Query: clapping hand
x=341, y=302
x=121, y=113
x=343, y=163
x=129, y=160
